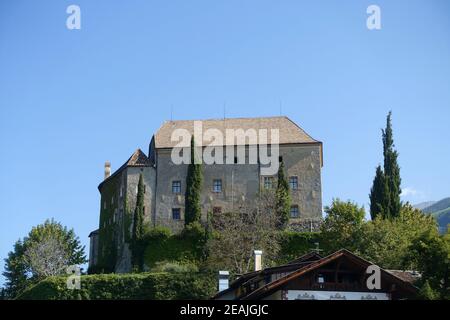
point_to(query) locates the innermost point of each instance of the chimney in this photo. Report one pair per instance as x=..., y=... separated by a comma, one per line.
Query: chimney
x=107, y=169
x=223, y=280
x=258, y=260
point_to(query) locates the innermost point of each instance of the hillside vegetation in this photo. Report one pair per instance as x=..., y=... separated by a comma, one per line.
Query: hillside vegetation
x=440, y=210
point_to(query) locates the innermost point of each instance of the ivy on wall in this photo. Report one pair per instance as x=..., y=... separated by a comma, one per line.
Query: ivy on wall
x=107, y=242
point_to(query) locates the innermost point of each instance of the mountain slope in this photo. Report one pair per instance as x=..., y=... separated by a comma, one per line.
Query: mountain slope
x=424, y=205
x=438, y=206
x=440, y=210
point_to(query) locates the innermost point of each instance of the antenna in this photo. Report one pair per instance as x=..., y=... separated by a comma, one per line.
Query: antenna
x=171, y=112
x=224, y=109
x=281, y=108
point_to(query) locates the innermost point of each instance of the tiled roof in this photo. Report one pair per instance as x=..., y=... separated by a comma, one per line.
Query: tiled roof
x=137, y=159
x=315, y=265
x=288, y=130
x=406, y=275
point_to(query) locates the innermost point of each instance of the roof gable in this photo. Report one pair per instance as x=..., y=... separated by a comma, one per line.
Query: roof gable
x=277, y=284
x=137, y=159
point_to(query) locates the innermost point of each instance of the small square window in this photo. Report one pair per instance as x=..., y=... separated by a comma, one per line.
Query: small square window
x=293, y=183
x=176, y=186
x=268, y=182
x=294, y=212
x=176, y=214
x=217, y=185
x=217, y=210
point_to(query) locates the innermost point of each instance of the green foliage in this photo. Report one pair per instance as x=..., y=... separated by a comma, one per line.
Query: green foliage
x=185, y=248
x=378, y=194
x=107, y=237
x=386, y=241
x=18, y=272
x=385, y=192
x=127, y=222
x=154, y=286
x=427, y=293
x=431, y=254
x=341, y=225
x=193, y=188
x=391, y=170
x=137, y=243
x=174, y=267
x=295, y=244
x=283, y=198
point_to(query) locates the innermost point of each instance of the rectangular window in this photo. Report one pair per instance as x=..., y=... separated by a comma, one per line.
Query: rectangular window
x=293, y=183
x=294, y=211
x=268, y=182
x=176, y=214
x=217, y=210
x=217, y=185
x=176, y=186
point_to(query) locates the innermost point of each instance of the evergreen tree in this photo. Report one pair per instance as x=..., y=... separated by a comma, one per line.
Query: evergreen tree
x=391, y=171
x=378, y=195
x=385, y=192
x=193, y=188
x=283, y=198
x=137, y=246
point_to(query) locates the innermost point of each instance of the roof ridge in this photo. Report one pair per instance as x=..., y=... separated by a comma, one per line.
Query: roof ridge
x=222, y=119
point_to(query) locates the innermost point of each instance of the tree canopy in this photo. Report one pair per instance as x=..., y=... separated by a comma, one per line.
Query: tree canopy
x=34, y=258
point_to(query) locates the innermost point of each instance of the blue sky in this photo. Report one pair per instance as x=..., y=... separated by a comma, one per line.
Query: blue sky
x=71, y=99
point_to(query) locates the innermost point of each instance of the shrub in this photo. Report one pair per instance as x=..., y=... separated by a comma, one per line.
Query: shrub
x=295, y=244
x=174, y=267
x=152, y=286
x=162, y=246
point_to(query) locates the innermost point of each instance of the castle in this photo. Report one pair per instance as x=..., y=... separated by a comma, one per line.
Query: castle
x=225, y=183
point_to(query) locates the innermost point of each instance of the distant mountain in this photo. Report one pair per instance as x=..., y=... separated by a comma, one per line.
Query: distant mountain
x=438, y=209
x=423, y=205
x=438, y=206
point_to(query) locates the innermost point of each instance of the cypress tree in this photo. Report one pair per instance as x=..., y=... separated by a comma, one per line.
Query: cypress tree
x=378, y=194
x=193, y=188
x=137, y=246
x=385, y=192
x=283, y=198
x=391, y=170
